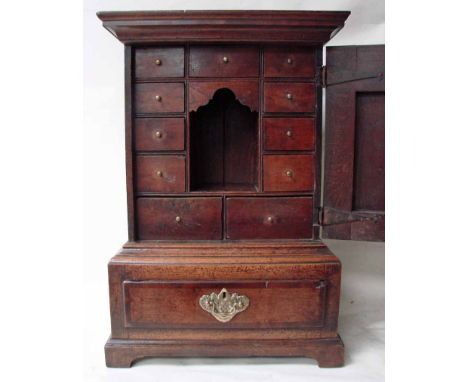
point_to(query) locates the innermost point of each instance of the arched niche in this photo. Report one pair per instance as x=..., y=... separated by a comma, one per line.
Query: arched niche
x=223, y=145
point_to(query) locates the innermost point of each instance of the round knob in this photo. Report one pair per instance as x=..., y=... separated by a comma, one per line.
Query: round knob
x=158, y=134
x=157, y=62
x=289, y=173
x=225, y=59
x=289, y=133
x=158, y=98
x=289, y=96
x=159, y=173
x=289, y=61
x=270, y=219
x=178, y=219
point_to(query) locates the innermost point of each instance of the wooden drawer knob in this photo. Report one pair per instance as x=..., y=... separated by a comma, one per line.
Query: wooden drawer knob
x=158, y=134
x=289, y=173
x=159, y=173
x=158, y=62
x=270, y=219
x=289, y=133
x=225, y=59
x=289, y=61
x=158, y=98
x=289, y=96
x=178, y=219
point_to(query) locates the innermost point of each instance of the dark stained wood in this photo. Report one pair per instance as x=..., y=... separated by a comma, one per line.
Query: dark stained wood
x=329, y=352
x=160, y=173
x=224, y=147
x=286, y=27
x=170, y=62
x=129, y=143
x=369, y=161
x=209, y=61
x=355, y=140
x=179, y=218
x=288, y=172
x=287, y=272
x=153, y=134
x=289, y=133
x=246, y=91
x=172, y=98
x=154, y=304
x=289, y=62
x=269, y=218
x=302, y=97
x=222, y=212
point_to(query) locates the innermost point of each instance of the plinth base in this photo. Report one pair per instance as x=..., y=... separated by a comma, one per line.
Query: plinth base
x=328, y=352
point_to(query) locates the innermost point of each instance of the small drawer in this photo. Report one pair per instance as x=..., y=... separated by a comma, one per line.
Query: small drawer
x=273, y=304
x=224, y=61
x=160, y=173
x=289, y=62
x=159, y=98
x=159, y=62
x=269, y=218
x=159, y=134
x=288, y=172
x=289, y=97
x=289, y=133
x=179, y=218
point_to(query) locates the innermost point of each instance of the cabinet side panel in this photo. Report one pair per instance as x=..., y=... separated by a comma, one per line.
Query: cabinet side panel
x=129, y=140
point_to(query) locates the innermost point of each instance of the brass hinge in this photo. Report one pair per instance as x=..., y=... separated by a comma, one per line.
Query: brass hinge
x=332, y=216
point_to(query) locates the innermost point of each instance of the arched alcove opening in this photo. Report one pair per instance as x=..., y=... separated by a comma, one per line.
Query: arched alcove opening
x=223, y=145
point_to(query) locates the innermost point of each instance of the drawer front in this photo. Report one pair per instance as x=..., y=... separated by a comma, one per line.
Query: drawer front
x=160, y=173
x=269, y=218
x=159, y=62
x=224, y=62
x=289, y=62
x=289, y=97
x=179, y=218
x=288, y=172
x=271, y=304
x=289, y=133
x=159, y=98
x=159, y=134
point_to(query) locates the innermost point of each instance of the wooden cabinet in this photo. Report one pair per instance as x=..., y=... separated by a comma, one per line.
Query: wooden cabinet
x=223, y=150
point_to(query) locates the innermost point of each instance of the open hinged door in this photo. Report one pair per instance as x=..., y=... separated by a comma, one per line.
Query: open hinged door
x=354, y=174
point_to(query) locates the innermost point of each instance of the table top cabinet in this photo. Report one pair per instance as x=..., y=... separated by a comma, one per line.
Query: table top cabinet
x=223, y=159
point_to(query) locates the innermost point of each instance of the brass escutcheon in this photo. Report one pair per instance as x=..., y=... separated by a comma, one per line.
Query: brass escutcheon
x=224, y=305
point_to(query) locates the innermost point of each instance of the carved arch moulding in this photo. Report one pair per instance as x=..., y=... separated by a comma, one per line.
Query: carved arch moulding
x=246, y=92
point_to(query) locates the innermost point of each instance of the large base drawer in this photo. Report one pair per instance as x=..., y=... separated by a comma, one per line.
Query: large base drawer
x=243, y=291
x=248, y=304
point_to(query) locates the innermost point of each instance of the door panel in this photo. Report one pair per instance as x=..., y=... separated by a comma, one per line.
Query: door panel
x=354, y=185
